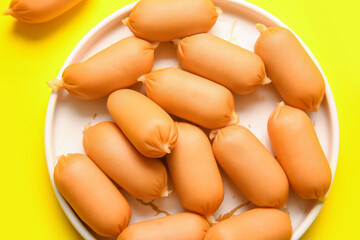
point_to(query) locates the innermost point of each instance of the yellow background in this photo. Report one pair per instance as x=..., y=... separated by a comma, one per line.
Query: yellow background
x=30, y=55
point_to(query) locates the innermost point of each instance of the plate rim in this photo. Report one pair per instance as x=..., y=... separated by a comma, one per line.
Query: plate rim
x=53, y=99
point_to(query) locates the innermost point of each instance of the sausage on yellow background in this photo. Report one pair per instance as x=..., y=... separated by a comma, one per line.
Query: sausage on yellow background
x=117, y=66
x=251, y=167
x=35, y=11
x=165, y=20
x=175, y=227
x=112, y=152
x=191, y=97
x=258, y=223
x=91, y=194
x=290, y=68
x=148, y=127
x=299, y=152
x=194, y=171
x=223, y=62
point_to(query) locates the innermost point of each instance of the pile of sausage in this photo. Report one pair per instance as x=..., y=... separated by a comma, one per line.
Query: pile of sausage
x=127, y=151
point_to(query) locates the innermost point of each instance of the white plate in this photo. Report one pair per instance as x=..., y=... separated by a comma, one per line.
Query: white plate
x=67, y=116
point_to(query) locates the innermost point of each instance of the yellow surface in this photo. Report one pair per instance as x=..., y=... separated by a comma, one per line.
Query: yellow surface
x=30, y=55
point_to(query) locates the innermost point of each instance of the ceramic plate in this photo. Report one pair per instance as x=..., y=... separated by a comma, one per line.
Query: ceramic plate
x=67, y=116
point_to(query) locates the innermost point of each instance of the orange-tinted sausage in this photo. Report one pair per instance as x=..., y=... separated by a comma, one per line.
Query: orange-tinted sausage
x=194, y=171
x=191, y=97
x=299, y=152
x=255, y=224
x=165, y=20
x=251, y=166
x=148, y=127
x=91, y=194
x=179, y=226
x=223, y=62
x=112, y=152
x=35, y=11
x=290, y=68
x=113, y=68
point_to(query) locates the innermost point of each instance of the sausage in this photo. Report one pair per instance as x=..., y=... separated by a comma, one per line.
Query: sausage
x=113, y=68
x=92, y=195
x=251, y=166
x=112, y=152
x=299, y=152
x=258, y=223
x=165, y=20
x=35, y=11
x=148, y=127
x=175, y=227
x=194, y=171
x=191, y=97
x=290, y=68
x=223, y=62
